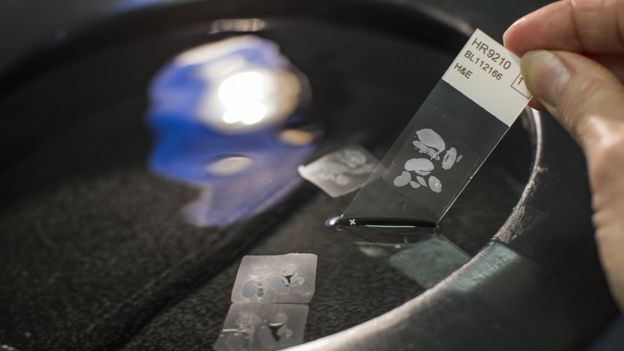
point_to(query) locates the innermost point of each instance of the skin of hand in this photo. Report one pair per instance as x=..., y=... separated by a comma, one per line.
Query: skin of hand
x=573, y=62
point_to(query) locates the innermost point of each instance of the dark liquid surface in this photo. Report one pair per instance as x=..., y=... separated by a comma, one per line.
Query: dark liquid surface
x=93, y=242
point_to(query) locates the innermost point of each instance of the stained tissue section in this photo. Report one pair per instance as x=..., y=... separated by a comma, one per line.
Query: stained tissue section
x=429, y=143
x=342, y=171
x=269, y=295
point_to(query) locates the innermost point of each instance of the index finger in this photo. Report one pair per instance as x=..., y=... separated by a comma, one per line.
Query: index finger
x=584, y=26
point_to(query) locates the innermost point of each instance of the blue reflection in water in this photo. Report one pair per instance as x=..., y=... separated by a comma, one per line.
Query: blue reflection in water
x=241, y=166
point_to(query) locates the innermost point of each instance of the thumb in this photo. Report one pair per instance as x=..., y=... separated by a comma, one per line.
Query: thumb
x=579, y=92
x=588, y=100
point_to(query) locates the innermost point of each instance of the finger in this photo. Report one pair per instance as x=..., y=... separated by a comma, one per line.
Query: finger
x=587, y=26
x=575, y=89
x=588, y=100
x=535, y=103
x=610, y=239
x=614, y=63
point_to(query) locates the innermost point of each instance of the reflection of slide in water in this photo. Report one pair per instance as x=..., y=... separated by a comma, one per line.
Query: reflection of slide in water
x=218, y=113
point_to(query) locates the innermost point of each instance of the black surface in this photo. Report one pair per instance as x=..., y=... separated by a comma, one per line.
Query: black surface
x=350, y=288
x=491, y=293
x=95, y=240
x=94, y=254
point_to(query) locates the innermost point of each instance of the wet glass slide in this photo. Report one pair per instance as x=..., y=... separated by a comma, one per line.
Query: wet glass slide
x=451, y=135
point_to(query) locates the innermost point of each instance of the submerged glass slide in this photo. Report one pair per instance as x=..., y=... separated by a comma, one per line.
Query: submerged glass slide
x=287, y=278
x=262, y=327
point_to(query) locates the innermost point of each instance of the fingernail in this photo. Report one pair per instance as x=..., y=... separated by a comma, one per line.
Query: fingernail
x=545, y=75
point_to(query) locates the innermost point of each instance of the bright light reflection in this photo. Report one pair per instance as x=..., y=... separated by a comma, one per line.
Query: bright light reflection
x=247, y=97
x=249, y=114
x=248, y=86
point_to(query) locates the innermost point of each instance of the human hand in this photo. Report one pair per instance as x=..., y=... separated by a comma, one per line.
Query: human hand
x=573, y=63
